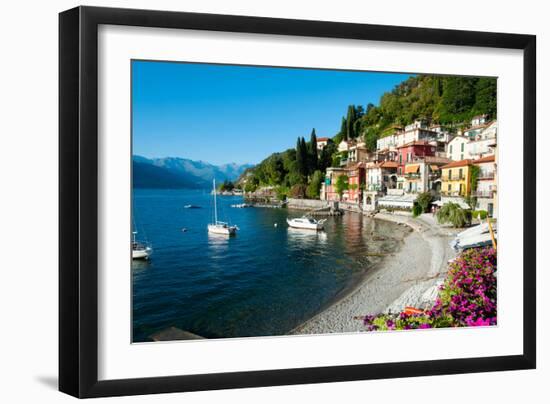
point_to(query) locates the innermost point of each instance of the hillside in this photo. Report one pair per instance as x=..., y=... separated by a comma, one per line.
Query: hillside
x=175, y=172
x=448, y=100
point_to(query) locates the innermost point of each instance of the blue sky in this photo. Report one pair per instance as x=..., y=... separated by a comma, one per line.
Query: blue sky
x=224, y=113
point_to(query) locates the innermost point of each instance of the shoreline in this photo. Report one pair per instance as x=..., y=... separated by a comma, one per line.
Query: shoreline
x=408, y=277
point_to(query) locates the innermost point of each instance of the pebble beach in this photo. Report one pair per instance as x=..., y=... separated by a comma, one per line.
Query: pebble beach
x=409, y=277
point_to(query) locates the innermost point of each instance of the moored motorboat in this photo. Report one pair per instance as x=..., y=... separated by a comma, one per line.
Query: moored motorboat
x=305, y=222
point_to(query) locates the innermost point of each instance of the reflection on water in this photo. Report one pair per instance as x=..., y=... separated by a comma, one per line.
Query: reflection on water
x=266, y=280
x=304, y=238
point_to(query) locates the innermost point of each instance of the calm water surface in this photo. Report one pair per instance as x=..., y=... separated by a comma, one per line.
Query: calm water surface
x=265, y=281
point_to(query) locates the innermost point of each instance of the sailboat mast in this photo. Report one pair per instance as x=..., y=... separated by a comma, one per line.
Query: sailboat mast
x=215, y=206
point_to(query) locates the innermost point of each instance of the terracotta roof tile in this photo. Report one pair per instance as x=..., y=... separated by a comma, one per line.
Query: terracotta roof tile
x=461, y=163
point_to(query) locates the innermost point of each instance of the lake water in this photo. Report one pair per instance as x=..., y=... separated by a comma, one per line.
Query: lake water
x=265, y=281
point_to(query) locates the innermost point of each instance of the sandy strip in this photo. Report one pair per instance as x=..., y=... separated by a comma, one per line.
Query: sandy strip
x=409, y=277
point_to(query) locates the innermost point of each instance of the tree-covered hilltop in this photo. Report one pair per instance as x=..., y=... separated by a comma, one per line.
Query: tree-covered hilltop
x=448, y=100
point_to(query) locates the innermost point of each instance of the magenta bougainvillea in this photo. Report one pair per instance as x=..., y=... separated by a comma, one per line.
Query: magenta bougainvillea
x=468, y=297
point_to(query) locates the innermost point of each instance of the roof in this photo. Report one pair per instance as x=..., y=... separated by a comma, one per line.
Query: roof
x=437, y=160
x=416, y=143
x=461, y=163
x=389, y=164
x=323, y=139
x=486, y=159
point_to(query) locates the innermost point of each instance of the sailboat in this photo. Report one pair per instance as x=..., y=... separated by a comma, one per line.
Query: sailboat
x=140, y=251
x=219, y=227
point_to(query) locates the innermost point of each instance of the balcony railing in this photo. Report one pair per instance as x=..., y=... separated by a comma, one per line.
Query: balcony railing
x=486, y=175
x=452, y=193
x=453, y=177
x=483, y=194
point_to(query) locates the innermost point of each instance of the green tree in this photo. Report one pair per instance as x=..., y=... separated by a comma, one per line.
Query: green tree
x=423, y=200
x=342, y=185
x=301, y=159
x=454, y=214
x=486, y=97
x=312, y=151
x=314, y=188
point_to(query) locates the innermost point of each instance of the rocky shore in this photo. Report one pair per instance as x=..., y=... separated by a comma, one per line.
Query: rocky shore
x=409, y=277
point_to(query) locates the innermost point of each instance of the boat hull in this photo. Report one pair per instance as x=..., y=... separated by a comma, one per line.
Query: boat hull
x=306, y=226
x=141, y=254
x=226, y=230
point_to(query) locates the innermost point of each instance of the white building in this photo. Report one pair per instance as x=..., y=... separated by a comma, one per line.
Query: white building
x=322, y=143
x=481, y=145
x=457, y=148
x=486, y=184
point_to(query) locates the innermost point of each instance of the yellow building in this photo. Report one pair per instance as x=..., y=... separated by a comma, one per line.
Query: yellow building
x=455, y=178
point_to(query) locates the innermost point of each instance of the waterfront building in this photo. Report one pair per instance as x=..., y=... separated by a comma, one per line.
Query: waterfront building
x=356, y=183
x=457, y=149
x=380, y=176
x=455, y=179
x=481, y=145
x=424, y=174
x=408, y=152
x=328, y=188
x=486, y=184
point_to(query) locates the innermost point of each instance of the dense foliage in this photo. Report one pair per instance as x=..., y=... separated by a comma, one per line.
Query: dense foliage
x=452, y=213
x=451, y=101
x=468, y=297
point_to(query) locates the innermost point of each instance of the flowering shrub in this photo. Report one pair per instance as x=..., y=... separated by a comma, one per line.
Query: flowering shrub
x=466, y=298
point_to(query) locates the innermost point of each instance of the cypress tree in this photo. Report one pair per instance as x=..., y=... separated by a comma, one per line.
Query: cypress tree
x=304, y=153
x=350, y=122
x=313, y=160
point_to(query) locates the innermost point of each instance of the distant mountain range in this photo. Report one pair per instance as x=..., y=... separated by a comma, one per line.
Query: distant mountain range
x=175, y=172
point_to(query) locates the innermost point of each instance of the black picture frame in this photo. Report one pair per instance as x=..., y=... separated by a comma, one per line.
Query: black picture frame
x=78, y=200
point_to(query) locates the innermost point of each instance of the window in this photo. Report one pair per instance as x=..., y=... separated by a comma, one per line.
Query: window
x=449, y=187
x=461, y=156
x=460, y=173
x=451, y=149
x=462, y=147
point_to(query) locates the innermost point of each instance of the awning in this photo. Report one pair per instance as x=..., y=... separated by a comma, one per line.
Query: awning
x=434, y=168
x=412, y=168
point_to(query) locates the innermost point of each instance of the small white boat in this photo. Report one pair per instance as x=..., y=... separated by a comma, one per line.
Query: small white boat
x=140, y=251
x=305, y=222
x=191, y=207
x=241, y=205
x=219, y=227
x=474, y=237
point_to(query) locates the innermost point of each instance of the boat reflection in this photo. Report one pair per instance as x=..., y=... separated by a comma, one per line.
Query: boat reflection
x=306, y=237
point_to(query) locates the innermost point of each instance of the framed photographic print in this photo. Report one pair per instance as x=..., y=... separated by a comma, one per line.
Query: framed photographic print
x=251, y=201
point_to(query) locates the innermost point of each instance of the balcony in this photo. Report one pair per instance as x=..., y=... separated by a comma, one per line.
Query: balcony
x=452, y=193
x=486, y=175
x=453, y=178
x=483, y=193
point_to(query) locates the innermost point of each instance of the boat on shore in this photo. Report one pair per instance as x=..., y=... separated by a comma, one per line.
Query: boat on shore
x=474, y=237
x=219, y=227
x=305, y=222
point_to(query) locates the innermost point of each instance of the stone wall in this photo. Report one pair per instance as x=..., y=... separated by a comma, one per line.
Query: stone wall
x=309, y=204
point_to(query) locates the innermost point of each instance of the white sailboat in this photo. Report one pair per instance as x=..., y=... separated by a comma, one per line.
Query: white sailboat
x=219, y=227
x=140, y=251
